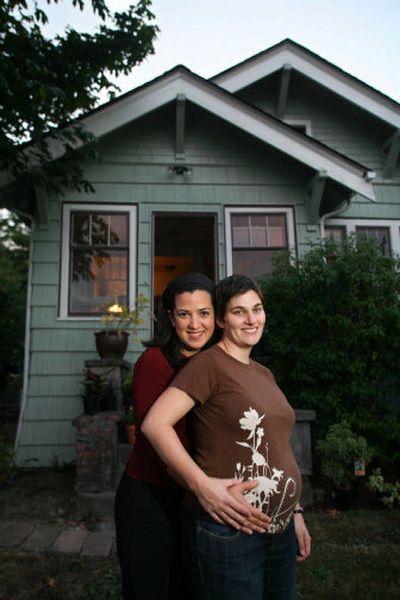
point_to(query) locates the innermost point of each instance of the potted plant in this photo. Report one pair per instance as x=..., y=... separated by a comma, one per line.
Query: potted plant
x=112, y=339
x=130, y=427
x=98, y=395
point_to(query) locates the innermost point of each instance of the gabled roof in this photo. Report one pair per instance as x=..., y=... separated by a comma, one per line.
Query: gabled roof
x=314, y=67
x=181, y=81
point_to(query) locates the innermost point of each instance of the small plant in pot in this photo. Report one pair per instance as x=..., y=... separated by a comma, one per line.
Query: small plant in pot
x=98, y=395
x=112, y=339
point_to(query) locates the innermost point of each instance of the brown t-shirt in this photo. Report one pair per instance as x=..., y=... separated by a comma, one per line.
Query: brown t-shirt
x=241, y=427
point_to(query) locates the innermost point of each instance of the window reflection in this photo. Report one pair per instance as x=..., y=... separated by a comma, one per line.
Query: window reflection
x=255, y=239
x=98, y=261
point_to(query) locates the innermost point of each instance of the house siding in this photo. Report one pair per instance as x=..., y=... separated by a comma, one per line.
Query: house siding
x=229, y=167
x=335, y=122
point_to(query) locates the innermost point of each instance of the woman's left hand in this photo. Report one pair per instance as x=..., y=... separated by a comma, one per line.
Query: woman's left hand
x=303, y=537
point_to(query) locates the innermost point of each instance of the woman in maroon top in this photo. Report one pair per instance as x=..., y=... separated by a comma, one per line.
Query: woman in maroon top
x=240, y=423
x=148, y=502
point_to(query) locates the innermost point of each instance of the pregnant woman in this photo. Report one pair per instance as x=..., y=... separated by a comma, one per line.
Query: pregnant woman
x=240, y=426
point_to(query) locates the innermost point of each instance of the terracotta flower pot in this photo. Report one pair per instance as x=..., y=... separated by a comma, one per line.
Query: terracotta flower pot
x=111, y=344
x=131, y=433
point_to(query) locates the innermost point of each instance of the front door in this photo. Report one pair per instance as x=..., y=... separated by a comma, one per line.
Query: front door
x=182, y=243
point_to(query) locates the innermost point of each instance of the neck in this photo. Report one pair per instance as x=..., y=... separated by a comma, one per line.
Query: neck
x=241, y=354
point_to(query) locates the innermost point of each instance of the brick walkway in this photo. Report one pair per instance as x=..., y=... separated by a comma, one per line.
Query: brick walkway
x=29, y=537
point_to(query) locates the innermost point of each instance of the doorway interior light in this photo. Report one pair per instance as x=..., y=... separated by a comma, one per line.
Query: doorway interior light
x=179, y=170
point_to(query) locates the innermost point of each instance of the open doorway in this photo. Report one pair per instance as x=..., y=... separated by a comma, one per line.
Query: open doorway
x=183, y=243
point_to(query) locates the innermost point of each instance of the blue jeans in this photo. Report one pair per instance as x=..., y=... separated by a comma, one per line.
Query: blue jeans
x=225, y=564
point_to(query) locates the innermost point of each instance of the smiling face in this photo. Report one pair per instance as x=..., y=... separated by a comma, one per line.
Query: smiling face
x=193, y=320
x=244, y=320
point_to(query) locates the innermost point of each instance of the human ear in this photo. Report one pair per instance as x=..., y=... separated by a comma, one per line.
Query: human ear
x=171, y=318
x=220, y=323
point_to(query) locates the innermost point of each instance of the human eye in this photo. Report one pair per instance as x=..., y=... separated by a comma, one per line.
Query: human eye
x=182, y=314
x=237, y=311
x=205, y=313
x=258, y=309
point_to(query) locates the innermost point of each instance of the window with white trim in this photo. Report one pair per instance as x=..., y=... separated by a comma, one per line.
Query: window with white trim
x=335, y=232
x=254, y=236
x=98, y=258
x=380, y=235
x=385, y=233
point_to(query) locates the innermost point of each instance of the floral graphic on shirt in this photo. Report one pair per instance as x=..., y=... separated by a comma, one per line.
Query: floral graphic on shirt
x=268, y=476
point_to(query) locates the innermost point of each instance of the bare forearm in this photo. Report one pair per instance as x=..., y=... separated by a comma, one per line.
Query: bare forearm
x=212, y=493
x=167, y=444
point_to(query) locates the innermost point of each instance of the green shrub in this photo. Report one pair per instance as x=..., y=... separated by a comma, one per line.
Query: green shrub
x=333, y=339
x=389, y=492
x=338, y=452
x=7, y=464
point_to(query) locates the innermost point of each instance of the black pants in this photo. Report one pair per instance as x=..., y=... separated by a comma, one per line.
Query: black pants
x=147, y=520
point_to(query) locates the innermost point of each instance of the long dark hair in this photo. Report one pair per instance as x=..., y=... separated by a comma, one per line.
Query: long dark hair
x=165, y=336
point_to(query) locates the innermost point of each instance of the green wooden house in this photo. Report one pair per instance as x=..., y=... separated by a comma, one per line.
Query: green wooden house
x=209, y=175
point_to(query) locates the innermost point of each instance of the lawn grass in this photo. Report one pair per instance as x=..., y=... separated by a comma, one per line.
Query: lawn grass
x=356, y=555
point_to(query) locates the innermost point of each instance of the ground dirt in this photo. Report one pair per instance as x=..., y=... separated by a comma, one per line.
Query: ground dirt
x=44, y=496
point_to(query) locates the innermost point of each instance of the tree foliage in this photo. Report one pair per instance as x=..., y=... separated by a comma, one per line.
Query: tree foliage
x=333, y=338
x=14, y=257
x=47, y=83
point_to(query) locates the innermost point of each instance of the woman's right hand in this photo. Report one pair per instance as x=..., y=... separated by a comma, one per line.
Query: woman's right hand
x=257, y=521
x=224, y=502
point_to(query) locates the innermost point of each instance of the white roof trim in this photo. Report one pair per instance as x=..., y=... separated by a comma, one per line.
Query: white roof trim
x=315, y=68
x=234, y=111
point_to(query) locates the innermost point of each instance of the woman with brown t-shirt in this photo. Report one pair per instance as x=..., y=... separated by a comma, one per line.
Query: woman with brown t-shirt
x=240, y=426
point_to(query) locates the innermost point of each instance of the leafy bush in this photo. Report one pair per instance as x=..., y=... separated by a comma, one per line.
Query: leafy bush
x=338, y=453
x=7, y=464
x=389, y=492
x=333, y=339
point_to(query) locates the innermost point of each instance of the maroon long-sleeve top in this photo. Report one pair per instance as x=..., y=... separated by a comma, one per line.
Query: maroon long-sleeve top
x=151, y=376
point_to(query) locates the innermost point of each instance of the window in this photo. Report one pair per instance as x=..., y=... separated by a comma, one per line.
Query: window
x=336, y=233
x=254, y=236
x=380, y=235
x=384, y=232
x=98, y=258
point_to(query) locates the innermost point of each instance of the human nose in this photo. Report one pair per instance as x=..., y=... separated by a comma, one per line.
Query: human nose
x=194, y=322
x=250, y=317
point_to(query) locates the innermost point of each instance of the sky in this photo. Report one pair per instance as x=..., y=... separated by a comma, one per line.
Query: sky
x=361, y=37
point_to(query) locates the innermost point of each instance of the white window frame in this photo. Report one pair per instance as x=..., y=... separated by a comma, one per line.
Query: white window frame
x=351, y=225
x=69, y=207
x=288, y=211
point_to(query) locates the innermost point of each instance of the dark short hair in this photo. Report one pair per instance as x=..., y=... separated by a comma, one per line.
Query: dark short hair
x=165, y=335
x=235, y=285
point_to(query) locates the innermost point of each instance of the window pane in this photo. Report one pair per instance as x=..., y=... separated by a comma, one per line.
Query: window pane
x=380, y=235
x=98, y=278
x=259, y=231
x=277, y=231
x=240, y=237
x=334, y=233
x=240, y=221
x=80, y=228
x=258, y=237
x=276, y=221
x=119, y=230
x=240, y=231
x=254, y=263
x=99, y=229
x=258, y=221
